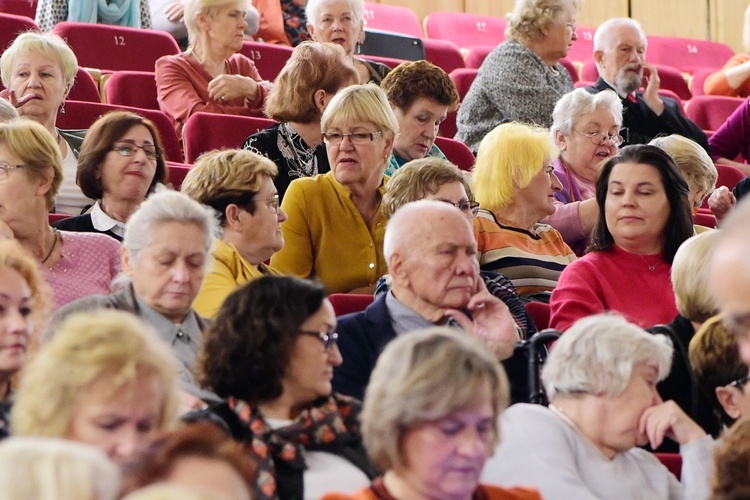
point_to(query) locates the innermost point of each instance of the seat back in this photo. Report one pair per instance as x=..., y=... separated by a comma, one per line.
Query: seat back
x=84, y=87
x=465, y=30
x=26, y=8
x=710, y=112
x=697, y=81
x=443, y=53
x=457, y=153
x=729, y=176
x=687, y=54
x=347, y=303
x=462, y=78
x=572, y=70
x=81, y=115
x=176, y=173
x=393, y=45
x=704, y=219
x=540, y=313
x=268, y=58
x=394, y=18
x=132, y=88
x=672, y=461
x=115, y=48
x=227, y=132
x=476, y=56
x=583, y=48
x=11, y=25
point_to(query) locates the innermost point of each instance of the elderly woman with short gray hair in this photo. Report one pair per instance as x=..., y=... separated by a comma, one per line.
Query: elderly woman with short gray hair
x=586, y=129
x=164, y=258
x=601, y=380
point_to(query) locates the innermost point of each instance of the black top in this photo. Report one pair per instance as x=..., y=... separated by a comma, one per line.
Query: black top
x=81, y=224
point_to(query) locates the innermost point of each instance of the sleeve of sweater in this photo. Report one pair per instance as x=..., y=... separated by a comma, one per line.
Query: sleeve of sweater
x=697, y=461
x=567, y=222
x=716, y=83
x=731, y=138
x=296, y=258
x=576, y=295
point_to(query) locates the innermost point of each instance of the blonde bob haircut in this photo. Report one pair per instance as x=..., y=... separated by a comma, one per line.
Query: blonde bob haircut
x=85, y=348
x=13, y=256
x=693, y=161
x=312, y=66
x=691, y=271
x=360, y=103
x=509, y=157
x=49, y=45
x=597, y=355
x=529, y=18
x=417, y=179
x=50, y=468
x=220, y=178
x=38, y=152
x=193, y=8
x=422, y=377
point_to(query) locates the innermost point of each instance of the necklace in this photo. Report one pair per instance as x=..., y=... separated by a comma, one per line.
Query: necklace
x=52, y=248
x=650, y=267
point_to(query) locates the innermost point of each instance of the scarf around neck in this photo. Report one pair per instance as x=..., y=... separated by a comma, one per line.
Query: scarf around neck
x=117, y=12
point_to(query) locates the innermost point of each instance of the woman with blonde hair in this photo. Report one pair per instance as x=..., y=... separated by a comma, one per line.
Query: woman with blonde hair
x=105, y=379
x=307, y=83
x=515, y=184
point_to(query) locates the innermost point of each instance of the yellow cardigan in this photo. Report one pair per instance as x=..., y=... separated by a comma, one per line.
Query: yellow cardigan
x=227, y=271
x=326, y=238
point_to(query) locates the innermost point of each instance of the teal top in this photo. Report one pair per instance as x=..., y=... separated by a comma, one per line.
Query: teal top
x=397, y=162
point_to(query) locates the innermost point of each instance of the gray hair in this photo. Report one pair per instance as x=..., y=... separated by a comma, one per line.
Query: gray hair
x=7, y=111
x=424, y=376
x=597, y=355
x=193, y=8
x=578, y=102
x=603, y=34
x=163, y=207
x=312, y=10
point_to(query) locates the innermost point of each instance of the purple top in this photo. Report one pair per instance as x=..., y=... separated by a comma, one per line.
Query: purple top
x=732, y=137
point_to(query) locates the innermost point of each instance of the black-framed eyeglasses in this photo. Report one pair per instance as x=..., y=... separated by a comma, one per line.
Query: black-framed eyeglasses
x=329, y=339
x=129, y=149
x=273, y=202
x=6, y=168
x=470, y=208
x=598, y=138
x=336, y=138
x=740, y=382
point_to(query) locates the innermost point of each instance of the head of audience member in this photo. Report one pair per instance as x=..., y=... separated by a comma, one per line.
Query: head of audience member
x=104, y=379
x=336, y=21
x=602, y=374
x=307, y=83
x=694, y=163
x=691, y=272
x=514, y=174
x=273, y=341
x=430, y=414
x=421, y=95
x=121, y=162
x=431, y=254
x=719, y=371
x=45, y=467
x=7, y=111
x=165, y=253
x=216, y=25
x=619, y=52
x=38, y=69
x=586, y=128
x=429, y=179
x=238, y=185
x=547, y=27
x=730, y=276
x=359, y=128
x=643, y=203
x=729, y=479
x=198, y=456
x=24, y=303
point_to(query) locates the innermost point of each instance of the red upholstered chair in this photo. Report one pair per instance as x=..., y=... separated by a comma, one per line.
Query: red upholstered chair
x=672, y=461
x=81, y=115
x=457, y=153
x=227, y=132
x=729, y=176
x=388, y=61
x=465, y=30
x=583, y=48
x=393, y=18
x=84, y=87
x=26, y=8
x=462, y=78
x=540, y=314
x=11, y=25
x=568, y=64
x=443, y=53
x=697, y=81
x=268, y=58
x=710, y=112
x=114, y=48
x=687, y=54
x=56, y=217
x=176, y=173
x=476, y=56
x=346, y=303
x=704, y=219
x=132, y=88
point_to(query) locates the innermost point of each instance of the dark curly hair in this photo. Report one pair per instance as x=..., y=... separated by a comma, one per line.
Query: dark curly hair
x=248, y=346
x=411, y=80
x=679, y=225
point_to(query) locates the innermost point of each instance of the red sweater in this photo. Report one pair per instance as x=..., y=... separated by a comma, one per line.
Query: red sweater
x=614, y=280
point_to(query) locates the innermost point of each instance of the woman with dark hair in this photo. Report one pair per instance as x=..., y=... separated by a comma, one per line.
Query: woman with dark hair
x=644, y=217
x=270, y=353
x=121, y=161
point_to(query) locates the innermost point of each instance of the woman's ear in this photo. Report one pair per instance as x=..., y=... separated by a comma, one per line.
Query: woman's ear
x=319, y=98
x=44, y=183
x=232, y=214
x=560, y=139
x=125, y=262
x=727, y=397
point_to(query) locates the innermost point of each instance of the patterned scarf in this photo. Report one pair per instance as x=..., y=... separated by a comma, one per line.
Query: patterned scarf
x=326, y=426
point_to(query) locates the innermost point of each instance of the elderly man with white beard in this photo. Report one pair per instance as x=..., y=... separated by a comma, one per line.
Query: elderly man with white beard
x=432, y=259
x=620, y=55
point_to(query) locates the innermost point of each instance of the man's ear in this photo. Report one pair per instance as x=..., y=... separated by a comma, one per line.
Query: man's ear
x=397, y=269
x=598, y=58
x=727, y=397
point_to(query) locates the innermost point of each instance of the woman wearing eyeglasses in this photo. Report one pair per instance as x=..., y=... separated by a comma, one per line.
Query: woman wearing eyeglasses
x=270, y=353
x=120, y=163
x=335, y=228
x=586, y=128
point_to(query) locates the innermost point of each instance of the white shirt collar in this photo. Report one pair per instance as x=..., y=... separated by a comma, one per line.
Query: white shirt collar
x=103, y=222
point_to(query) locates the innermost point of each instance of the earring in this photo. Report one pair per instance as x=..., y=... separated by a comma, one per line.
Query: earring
x=62, y=108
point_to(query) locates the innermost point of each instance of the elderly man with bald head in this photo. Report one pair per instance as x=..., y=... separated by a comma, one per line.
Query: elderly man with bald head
x=430, y=250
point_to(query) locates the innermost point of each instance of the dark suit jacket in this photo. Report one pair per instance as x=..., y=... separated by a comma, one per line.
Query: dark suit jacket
x=643, y=124
x=362, y=337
